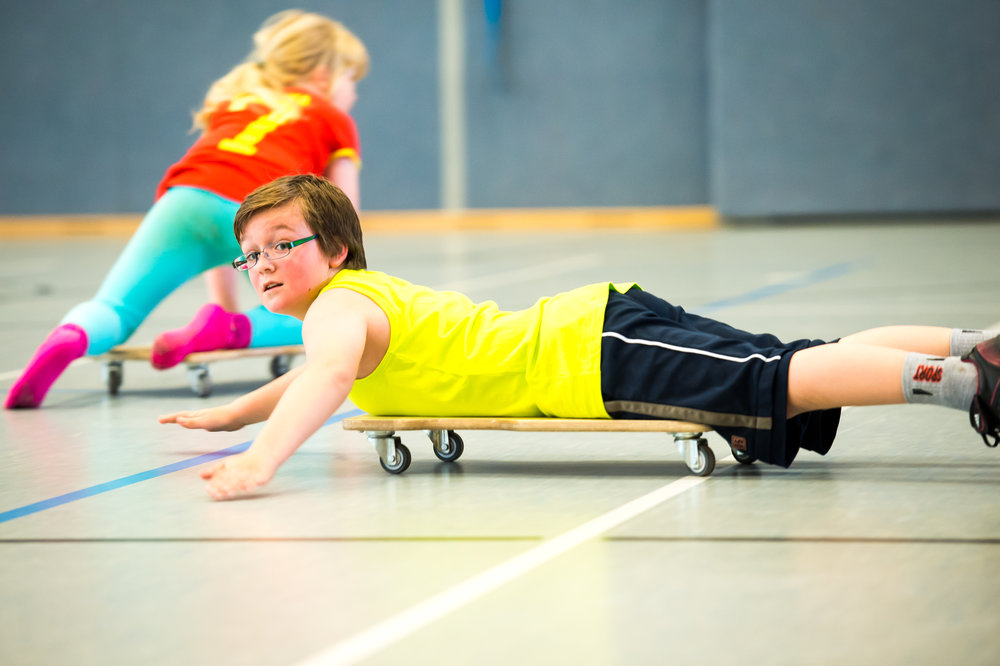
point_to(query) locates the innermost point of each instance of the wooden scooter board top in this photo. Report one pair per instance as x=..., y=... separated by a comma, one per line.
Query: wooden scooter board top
x=143, y=353
x=533, y=424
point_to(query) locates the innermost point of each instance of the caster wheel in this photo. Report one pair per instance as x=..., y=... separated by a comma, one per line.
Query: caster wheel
x=743, y=458
x=401, y=461
x=201, y=382
x=280, y=365
x=113, y=373
x=706, y=461
x=455, y=448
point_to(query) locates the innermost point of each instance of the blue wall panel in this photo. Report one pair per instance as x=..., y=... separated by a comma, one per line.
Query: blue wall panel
x=99, y=94
x=57, y=149
x=588, y=103
x=759, y=107
x=854, y=106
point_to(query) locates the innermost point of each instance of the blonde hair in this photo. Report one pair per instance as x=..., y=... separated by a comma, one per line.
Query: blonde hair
x=288, y=47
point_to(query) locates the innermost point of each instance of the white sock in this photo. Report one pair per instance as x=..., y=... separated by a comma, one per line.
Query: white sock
x=963, y=340
x=935, y=380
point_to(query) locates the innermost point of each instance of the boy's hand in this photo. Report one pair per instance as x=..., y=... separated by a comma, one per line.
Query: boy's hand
x=236, y=476
x=211, y=418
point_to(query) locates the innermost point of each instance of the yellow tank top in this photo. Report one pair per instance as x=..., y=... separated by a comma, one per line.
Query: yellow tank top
x=448, y=356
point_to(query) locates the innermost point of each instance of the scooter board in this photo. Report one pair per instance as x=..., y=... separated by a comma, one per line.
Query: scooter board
x=448, y=445
x=197, y=363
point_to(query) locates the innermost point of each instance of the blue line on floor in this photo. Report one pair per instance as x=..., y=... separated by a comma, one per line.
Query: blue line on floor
x=767, y=291
x=59, y=500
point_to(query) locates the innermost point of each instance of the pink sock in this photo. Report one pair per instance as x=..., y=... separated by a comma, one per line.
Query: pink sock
x=64, y=344
x=212, y=328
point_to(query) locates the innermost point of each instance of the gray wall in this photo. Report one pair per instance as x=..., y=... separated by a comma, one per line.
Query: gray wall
x=588, y=102
x=854, y=106
x=98, y=95
x=758, y=107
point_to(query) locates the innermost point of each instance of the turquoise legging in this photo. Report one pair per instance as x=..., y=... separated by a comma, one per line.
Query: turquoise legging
x=186, y=232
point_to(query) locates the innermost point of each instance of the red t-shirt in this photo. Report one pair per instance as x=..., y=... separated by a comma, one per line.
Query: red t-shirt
x=248, y=144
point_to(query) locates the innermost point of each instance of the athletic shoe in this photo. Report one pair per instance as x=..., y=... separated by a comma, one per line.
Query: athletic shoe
x=985, y=410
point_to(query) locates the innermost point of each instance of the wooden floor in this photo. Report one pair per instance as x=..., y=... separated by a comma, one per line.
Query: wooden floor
x=534, y=548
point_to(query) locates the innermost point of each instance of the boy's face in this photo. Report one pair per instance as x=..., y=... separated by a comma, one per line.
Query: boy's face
x=286, y=285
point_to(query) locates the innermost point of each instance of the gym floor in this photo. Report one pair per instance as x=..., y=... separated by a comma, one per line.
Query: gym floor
x=533, y=548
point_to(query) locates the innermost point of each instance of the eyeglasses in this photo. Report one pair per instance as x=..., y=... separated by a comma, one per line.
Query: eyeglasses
x=277, y=250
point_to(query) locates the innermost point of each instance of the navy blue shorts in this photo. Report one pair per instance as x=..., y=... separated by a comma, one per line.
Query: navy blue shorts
x=660, y=362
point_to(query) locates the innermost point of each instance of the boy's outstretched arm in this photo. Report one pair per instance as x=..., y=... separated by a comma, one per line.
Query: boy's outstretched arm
x=335, y=342
x=253, y=407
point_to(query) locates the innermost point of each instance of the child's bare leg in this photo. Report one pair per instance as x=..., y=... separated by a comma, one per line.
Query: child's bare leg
x=931, y=340
x=923, y=339
x=221, y=283
x=837, y=375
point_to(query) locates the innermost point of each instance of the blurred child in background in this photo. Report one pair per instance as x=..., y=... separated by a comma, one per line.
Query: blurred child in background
x=284, y=110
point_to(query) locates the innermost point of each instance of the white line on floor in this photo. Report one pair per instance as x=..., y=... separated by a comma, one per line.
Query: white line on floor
x=398, y=627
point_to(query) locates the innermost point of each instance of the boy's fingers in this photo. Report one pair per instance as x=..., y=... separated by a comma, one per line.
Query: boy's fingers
x=203, y=419
x=180, y=418
x=216, y=487
x=212, y=471
x=220, y=491
x=194, y=421
x=226, y=486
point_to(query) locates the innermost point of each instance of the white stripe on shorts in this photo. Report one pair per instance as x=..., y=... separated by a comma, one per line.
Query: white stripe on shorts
x=690, y=350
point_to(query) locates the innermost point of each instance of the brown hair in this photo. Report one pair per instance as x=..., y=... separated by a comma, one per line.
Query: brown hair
x=324, y=207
